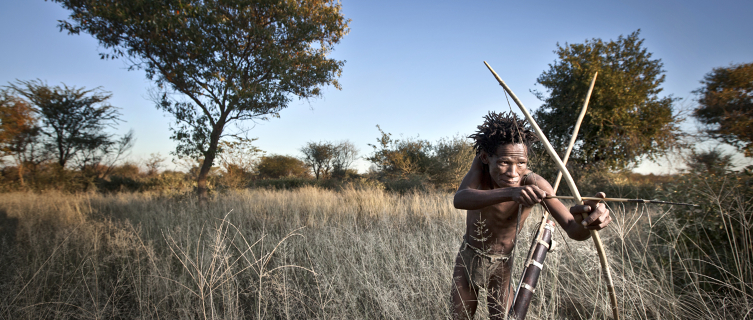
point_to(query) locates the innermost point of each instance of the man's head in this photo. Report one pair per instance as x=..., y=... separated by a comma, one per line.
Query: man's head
x=502, y=142
x=502, y=128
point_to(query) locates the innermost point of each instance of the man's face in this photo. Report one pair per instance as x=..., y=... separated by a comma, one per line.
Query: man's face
x=507, y=164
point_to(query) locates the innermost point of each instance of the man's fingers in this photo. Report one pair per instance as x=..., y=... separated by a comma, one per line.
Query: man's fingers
x=598, y=219
x=596, y=216
x=578, y=212
x=604, y=223
x=525, y=199
x=532, y=199
x=599, y=223
x=540, y=193
x=530, y=195
x=580, y=209
x=536, y=194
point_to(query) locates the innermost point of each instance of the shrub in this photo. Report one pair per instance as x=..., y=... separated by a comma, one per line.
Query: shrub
x=278, y=166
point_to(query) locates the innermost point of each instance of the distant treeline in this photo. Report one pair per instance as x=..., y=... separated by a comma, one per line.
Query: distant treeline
x=397, y=165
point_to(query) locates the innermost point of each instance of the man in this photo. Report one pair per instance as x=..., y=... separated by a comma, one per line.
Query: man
x=499, y=192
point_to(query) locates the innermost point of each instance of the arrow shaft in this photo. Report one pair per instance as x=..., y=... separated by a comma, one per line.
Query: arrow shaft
x=623, y=200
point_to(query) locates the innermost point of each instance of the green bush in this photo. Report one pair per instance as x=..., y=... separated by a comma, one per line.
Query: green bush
x=415, y=164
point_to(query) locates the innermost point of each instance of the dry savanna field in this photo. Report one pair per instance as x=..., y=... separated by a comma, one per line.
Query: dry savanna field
x=235, y=229
x=314, y=253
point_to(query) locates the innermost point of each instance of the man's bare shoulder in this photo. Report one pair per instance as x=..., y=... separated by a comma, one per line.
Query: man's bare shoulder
x=533, y=179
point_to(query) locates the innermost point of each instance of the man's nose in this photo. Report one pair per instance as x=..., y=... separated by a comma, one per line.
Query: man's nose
x=512, y=171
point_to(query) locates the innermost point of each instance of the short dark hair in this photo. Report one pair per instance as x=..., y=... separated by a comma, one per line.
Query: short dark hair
x=499, y=129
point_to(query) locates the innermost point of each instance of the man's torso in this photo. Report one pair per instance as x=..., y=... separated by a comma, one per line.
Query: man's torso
x=492, y=229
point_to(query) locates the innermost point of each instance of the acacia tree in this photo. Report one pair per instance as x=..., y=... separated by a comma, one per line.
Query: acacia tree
x=154, y=163
x=726, y=105
x=319, y=156
x=626, y=119
x=712, y=161
x=218, y=61
x=72, y=122
x=329, y=159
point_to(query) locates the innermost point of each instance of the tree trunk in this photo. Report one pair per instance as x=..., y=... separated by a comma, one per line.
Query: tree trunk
x=21, y=174
x=201, y=181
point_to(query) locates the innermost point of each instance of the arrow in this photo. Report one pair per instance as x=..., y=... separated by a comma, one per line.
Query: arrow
x=623, y=200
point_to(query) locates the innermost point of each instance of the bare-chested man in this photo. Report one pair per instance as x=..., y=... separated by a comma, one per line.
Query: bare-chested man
x=492, y=191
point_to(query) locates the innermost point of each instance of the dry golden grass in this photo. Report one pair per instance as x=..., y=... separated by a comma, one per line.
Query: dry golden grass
x=305, y=254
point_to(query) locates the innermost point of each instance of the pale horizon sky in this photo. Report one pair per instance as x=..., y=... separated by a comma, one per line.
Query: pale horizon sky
x=413, y=67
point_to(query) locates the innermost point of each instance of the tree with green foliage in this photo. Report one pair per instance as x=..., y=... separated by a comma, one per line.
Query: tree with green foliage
x=329, y=159
x=401, y=158
x=416, y=162
x=627, y=120
x=726, y=105
x=218, y=62
x=73, y=121
x=280, y=166
x=319, y=156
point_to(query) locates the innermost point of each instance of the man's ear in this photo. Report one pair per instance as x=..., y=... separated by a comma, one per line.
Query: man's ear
x=484, y=157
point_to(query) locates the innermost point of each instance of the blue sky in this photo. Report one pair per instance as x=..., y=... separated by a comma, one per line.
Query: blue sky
x=413, y=67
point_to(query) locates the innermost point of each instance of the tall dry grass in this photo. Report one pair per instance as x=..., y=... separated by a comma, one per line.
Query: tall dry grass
x=318, y=254
x=308, y=253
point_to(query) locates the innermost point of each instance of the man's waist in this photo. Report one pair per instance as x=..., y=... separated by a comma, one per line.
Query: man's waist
x=488, y=253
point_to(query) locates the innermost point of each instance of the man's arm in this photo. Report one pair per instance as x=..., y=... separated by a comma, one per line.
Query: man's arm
x=476, y=192
x=572, y=220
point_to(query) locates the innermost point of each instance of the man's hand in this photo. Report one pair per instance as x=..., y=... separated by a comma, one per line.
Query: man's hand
x=598, y=215
x=528, y=195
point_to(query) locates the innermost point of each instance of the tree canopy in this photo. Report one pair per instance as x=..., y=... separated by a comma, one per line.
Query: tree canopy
x=279, y=166
x=319, y=156
x=400, y=157
x=726, y=105
x=627, y=119
x=443, y=163
x=216, y=62
x=73, y=121
x=327, y=158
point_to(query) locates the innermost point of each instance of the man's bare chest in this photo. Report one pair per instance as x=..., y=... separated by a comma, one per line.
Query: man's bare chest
x=505, y=211
x=497, y=225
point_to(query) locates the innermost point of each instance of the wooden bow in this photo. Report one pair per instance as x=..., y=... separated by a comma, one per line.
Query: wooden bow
x=522, y=300
x=573, y=189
